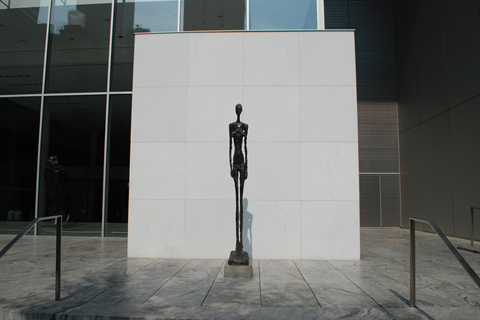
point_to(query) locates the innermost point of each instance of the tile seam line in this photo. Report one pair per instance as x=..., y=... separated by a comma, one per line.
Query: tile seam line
x=311, y=290
x=213, y=282
x=260, y=283
x=361, y=289
x=167, y=280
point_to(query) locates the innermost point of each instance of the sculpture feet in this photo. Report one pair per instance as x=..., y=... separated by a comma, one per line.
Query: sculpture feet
x=238, y=258
x=239, y=247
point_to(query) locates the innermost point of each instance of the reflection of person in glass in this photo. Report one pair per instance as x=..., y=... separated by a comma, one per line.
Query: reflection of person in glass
x=57, y=188
x=239, y=172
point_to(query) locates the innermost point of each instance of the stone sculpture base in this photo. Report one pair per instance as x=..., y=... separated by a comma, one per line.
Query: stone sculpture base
x=238, y=259
x=238, y=271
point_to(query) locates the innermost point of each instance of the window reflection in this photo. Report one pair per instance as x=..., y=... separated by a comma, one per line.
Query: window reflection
x=73, y=132
x=131, y=17
x=283, y=14
x=22, y=44
x=78, y=46
x=155, y=15
x=19, y=118
x=213, y=15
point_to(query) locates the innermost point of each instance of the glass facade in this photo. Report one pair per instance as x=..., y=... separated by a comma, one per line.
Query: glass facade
x=23, y=25
x=66, y=69
x=73, y=131
x=283, y=14
x=78, y=46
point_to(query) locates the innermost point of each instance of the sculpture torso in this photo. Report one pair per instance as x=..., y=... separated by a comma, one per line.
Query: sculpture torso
x=238, y=130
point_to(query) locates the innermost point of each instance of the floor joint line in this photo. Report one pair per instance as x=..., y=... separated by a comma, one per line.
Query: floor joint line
x=167, y=281
x=311, y=290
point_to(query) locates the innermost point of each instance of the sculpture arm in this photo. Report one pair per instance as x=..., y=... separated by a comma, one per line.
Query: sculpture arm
x=246, y=156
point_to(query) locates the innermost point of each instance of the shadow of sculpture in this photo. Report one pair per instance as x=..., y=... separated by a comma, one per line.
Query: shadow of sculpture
x=247, y=229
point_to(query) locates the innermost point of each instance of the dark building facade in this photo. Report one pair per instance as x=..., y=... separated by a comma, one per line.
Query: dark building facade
x=438, y=75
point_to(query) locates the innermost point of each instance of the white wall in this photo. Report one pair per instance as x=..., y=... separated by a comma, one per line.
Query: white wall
x=298, y=91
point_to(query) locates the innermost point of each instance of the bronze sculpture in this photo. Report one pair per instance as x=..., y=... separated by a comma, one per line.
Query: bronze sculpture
x=239, y=172
x=57, y=188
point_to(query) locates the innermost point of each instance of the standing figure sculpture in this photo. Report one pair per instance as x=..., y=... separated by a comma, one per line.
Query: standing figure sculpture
x=57, y=188
x=239, y=172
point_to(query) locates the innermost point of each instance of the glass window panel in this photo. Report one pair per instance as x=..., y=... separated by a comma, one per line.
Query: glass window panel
x=131, y=17
x=22, y=45
x=155, y=16
x=283, y=14
x=19, y=119
x=213, y=15
x=391, y=200
x=78, y=46
x=370, y=201
x=118, y=165
x=73, y=132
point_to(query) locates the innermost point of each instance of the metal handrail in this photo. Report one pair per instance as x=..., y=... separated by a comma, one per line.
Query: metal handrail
x=472, y=234
x=450, y=246
x=58, y=221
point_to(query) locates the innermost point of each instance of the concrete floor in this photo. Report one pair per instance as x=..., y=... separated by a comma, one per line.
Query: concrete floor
x=100, y=282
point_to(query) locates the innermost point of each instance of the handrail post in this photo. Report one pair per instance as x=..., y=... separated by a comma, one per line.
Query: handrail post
x=472, y=233
x=449, y=245
x=412, y=263
x=58, y=256
x=472, y=229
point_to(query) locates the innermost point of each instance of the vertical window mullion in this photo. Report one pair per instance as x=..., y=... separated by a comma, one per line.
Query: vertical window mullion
x=107, y=125
x=248, y=15
x=320, y=15
x=179, y=15
x=42, y=98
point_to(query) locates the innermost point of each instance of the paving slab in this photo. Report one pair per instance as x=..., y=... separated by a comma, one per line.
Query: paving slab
x=99, y=282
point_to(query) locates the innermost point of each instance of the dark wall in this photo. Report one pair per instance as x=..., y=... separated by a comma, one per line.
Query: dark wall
x=374, y=44
x=438, y=76
x=377, y=106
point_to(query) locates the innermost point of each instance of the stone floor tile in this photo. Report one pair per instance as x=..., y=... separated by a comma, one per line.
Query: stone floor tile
x=288, y=294
x=234, y=293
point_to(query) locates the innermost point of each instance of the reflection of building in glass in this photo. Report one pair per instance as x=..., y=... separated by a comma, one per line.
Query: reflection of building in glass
x=214, y=15
x=156, y=16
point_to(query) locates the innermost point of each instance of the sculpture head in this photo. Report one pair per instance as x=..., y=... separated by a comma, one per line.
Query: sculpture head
x=53, y=159
x=238, y=109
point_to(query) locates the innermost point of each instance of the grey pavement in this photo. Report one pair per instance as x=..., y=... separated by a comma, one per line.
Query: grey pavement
x=100, y=282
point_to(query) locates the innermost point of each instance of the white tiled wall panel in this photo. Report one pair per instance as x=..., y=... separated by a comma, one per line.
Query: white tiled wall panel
x=299, y=95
